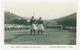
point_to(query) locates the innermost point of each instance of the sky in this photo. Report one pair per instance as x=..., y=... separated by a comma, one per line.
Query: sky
x=44, y=10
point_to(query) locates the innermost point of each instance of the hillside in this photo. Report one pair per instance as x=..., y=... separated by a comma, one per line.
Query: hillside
x=71, y=16
x=67, y=20
x=8, y=17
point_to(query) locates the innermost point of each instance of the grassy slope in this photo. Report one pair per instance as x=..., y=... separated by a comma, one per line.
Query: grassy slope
x=10, y=16
x=71, y=16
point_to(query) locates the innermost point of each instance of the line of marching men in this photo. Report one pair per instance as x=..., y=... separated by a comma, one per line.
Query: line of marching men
x=8, y=27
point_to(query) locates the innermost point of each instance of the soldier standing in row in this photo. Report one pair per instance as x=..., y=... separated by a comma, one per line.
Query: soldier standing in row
x=33, y=26
x=40, y=25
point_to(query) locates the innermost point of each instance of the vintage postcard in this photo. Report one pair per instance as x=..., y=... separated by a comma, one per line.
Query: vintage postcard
x=40, y=24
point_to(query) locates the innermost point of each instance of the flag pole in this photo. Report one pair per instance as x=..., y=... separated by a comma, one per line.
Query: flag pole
x=33, y=13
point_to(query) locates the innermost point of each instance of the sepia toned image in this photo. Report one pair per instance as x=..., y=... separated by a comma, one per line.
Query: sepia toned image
x=40, y=23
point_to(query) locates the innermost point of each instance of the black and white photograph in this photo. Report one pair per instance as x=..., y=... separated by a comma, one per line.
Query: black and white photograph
x=40, y=23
